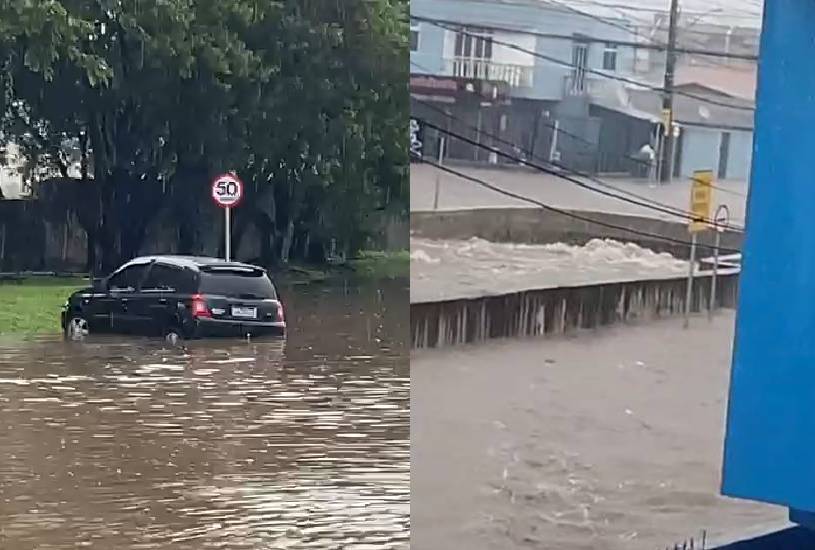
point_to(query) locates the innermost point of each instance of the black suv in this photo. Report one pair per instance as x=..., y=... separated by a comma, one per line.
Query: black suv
x=178, y=297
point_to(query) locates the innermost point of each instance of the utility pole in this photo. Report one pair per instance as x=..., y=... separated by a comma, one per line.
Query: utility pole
x=667, y=151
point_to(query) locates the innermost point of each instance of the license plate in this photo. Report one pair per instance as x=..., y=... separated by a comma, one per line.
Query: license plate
x=246, y=312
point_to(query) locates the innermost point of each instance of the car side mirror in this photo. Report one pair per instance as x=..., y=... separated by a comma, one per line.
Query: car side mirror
x=100, y=285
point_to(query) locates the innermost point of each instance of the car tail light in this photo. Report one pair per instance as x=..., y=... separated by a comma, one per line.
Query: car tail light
x=281, y=316
x=200, y=307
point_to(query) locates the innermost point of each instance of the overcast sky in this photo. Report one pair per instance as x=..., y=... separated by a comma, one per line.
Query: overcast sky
x=734, y=12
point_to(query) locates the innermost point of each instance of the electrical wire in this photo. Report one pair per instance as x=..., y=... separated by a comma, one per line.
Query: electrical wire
x=587, y=69
x=605, y=20
x=718, y=10
x=570, y=214
x=658, y=206
x=560, y=166
x=651, y=45
x=643, y=202
x=625, y=8
x=613, y=22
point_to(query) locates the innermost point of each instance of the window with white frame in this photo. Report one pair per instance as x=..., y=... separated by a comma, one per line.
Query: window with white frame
x=610, y=57
x=580, y=59
x=414, y=37
x=474, y=43
x=473, y=53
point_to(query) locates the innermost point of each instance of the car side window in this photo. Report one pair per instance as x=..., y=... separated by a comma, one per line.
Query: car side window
x=158, y=278
x=169, y=278
x=128, y=278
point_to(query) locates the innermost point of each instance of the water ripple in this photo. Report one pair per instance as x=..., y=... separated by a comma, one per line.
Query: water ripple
x=218, y=445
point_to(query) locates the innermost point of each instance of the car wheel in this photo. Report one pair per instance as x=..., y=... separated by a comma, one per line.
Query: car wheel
x=173, y=336
x=77, y=328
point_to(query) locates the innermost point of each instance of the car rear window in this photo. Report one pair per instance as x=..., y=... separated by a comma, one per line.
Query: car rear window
x=237, y=284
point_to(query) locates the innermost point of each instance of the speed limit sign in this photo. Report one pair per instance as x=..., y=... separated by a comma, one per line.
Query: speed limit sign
x=227, y=190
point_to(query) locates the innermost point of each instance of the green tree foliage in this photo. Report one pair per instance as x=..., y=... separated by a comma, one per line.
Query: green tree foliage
x=305, y=99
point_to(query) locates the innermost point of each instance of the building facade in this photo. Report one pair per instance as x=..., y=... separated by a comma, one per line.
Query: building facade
x=542, y=81
x=542, y=59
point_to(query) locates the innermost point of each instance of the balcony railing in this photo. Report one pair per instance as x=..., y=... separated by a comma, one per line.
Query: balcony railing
x=577, y=84
x=516, y=76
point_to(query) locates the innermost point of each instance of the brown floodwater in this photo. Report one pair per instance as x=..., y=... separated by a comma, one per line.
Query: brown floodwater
x=607, y=440
x=129, y=444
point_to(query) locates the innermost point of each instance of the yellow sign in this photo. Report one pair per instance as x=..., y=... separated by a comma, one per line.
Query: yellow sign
x=701, y=200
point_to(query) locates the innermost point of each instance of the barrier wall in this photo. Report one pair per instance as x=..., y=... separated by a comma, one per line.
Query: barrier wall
x=559, y=310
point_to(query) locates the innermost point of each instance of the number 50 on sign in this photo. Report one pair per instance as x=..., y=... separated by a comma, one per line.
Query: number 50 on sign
x=701, y=200
x=227, y=192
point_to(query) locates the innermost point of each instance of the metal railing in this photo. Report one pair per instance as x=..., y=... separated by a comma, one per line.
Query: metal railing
x=577, y=84
x=516, y=76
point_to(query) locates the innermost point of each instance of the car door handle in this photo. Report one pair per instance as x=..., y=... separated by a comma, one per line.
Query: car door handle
x=162, y=301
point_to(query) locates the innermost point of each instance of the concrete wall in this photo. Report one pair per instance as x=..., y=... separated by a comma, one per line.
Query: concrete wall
x=32, y=239
x=548, y=77
x=701, y=148
x=741, y=155
x=558, y=311
x=428, y=58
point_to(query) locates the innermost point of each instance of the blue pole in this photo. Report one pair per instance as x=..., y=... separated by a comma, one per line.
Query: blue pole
x=769, y=451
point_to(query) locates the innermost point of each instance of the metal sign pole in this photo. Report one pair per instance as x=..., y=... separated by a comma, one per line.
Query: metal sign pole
x=227, y=235
x=712, y=305
x=721, y=218
x=438, y=174
x=689, y=293
x=227, y=192
x=700, y=199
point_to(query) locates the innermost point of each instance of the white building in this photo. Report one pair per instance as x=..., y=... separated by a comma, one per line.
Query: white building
x=12, y=164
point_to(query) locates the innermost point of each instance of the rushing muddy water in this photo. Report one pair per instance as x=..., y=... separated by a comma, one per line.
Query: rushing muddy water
x=133, y=445
x=448, y=270
x=608, y=441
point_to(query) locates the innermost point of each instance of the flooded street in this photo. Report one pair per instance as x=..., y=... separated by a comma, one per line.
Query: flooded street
x=610, y=440
x=221, y=444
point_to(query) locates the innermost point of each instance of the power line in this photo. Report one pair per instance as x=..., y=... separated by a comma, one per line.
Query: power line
x=666, y=209
x=659, y=206
x=605, y=20
x=561, y=131
x=570, y=214
x=661, y=45
x=720, y=10
x=656, y=46
x=566, y=133
x=589, y=70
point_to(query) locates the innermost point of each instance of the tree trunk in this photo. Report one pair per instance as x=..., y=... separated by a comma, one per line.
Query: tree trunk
x=285, y=247
x=90, y=265
x=306, y=245
x=83, y=148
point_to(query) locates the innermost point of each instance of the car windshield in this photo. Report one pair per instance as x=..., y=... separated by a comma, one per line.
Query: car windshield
x=250, y=284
